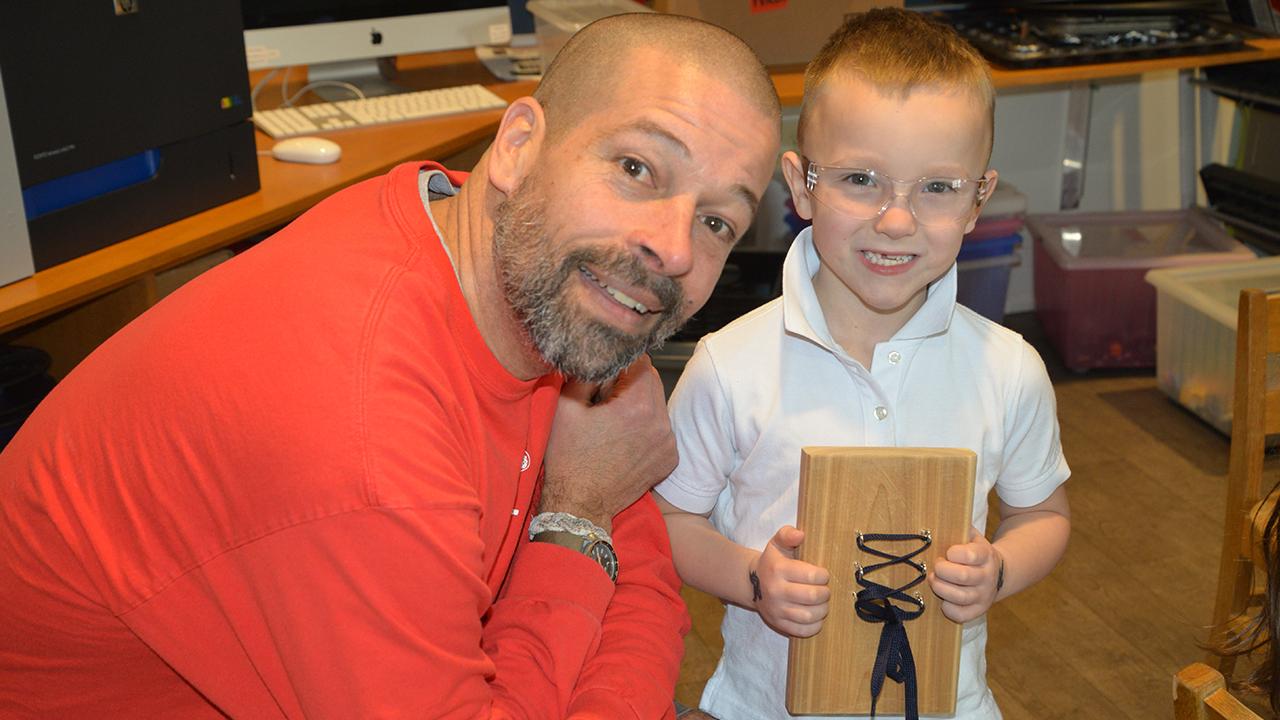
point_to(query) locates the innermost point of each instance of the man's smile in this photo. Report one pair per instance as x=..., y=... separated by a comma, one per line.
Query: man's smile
x=623, y=298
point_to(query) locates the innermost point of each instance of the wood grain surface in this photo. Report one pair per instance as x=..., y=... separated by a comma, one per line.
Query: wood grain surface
x=844, y=491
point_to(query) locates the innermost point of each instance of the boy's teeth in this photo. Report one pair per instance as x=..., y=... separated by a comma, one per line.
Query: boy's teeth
x=618, y=295
x=878, y=259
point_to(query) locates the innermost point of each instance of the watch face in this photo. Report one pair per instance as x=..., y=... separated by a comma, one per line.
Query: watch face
x=603, y=553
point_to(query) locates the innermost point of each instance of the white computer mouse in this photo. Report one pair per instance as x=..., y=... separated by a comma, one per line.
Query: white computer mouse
x=314, y=150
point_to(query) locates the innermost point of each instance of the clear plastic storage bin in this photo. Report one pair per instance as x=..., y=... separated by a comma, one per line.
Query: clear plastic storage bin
x=1090, y=295
x=555, y=21
x=1196, y=312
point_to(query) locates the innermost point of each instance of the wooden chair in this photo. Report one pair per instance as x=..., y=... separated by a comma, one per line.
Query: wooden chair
x=1256, y=414
x=1200, y=693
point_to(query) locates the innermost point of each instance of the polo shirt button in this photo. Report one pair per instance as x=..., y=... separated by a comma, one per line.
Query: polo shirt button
x=882, y=412
x=894, y=357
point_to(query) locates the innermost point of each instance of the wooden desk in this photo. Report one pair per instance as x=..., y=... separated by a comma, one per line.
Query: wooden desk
x=289, y=189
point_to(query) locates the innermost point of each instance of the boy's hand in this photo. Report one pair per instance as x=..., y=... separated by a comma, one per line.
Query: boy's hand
x=966, y=580
x=792, y=595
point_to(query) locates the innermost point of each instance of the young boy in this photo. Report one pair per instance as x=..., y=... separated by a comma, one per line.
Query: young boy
x=866, y=346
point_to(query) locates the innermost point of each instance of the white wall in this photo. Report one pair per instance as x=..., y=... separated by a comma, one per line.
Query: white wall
x=1133, y=156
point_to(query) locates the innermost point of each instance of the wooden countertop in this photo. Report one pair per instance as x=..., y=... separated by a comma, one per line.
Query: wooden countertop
x=289, y=189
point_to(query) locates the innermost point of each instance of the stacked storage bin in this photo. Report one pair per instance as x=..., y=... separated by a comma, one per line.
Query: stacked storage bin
x=1196, y=333
x=1090, y=295
x=988, y=253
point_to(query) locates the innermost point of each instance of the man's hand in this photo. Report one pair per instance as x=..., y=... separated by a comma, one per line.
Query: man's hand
x=793, y=595
x=602, y=457
x=966, y=580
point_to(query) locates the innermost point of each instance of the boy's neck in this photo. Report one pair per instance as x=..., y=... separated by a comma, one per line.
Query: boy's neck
x=855, y=327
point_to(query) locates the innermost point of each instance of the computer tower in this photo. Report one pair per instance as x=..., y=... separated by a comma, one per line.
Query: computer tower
x=125, y=115
x=15, y=243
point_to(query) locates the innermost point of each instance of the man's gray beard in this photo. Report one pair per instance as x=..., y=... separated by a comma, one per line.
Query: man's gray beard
x=537, y=283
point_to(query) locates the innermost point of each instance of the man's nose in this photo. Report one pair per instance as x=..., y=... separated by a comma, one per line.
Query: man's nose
x=663, y=235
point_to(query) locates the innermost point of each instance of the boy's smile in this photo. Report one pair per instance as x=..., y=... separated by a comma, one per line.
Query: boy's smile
x=875, y=272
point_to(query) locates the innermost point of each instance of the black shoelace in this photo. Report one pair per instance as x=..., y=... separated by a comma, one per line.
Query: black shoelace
x=874, y=603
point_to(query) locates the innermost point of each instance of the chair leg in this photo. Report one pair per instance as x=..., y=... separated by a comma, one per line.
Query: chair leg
x=1235, y=583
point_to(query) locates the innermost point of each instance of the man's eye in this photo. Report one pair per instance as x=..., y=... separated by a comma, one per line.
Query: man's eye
x=634, y=168
x=718, y=226
x=939, y=186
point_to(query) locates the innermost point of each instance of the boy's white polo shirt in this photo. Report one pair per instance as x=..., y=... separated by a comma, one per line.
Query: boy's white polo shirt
x=774, y=381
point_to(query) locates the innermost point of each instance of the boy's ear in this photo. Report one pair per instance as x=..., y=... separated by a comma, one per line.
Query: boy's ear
x=516, y=147
x=992, y=179
x=793, y=171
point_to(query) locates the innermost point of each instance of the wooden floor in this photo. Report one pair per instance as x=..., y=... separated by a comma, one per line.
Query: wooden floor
x=1103, y=635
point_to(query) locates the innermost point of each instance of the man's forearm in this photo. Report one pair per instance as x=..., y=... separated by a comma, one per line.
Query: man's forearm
x=634, y=669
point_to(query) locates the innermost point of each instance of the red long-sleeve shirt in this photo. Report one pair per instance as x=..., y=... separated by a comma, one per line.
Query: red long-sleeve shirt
x=300, y=486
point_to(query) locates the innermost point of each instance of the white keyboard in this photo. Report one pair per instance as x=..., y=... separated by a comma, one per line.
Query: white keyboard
x=326, y=117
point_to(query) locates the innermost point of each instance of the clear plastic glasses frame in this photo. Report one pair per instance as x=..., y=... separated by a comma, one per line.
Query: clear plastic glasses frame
x=864, y=194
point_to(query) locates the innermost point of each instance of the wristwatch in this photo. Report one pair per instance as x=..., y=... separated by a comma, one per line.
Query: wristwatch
x=591, y=545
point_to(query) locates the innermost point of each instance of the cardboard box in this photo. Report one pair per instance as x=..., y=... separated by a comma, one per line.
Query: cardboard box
x=782, y=32
x=555, y=21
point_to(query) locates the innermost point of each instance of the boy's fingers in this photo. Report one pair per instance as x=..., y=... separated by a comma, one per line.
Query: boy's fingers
x=788, y=537
x=801, y=630
x=958, y=576
x=812, y=574
x=968, y=554
x=958, y=613
x=804, y=616
x=955, y=594
x=803, y=573
x=800, y=593
x=809, y=595
x=952, y=572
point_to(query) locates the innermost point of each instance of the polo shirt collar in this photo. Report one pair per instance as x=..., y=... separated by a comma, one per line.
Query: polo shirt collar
x=802, y=314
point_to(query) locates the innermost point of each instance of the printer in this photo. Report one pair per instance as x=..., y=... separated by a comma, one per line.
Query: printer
x=122, y=116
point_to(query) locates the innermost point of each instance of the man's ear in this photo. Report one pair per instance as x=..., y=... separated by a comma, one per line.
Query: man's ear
x=992, y=179
x=515, y=148
x=793, y=171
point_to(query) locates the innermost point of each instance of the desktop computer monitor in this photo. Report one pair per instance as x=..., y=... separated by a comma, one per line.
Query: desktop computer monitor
x=344, y=39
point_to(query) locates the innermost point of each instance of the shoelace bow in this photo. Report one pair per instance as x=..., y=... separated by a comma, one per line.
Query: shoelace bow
x=874, y=603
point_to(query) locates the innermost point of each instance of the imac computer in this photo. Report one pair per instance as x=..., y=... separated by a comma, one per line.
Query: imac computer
x=344, y=40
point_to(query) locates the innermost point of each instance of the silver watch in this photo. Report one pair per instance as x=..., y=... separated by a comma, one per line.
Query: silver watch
x=591, y=545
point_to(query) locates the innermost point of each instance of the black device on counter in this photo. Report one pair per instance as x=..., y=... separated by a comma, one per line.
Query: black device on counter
x=1030, y=33
x=125, y=116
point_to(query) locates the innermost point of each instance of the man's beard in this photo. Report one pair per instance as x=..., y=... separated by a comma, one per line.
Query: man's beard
x=537, y=284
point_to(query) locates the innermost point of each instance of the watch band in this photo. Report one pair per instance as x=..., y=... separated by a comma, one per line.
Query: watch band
x=566, y=522
x=594, y=547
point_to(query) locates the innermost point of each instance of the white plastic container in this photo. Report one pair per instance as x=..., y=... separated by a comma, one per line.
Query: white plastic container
x=1196, y=316
x=555, y=21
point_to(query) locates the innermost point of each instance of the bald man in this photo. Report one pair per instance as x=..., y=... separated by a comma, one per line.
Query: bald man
x=323, y=479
